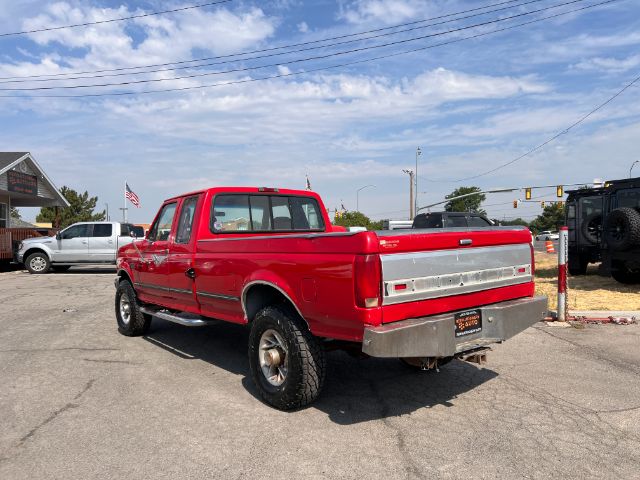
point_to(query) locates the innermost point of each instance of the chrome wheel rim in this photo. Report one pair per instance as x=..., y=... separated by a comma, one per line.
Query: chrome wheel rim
x=38, y=264
x=272, y=355
x=125, y=309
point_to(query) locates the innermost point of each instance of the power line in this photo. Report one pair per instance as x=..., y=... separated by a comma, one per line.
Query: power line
x=120, y=19
x=270, y=55
x=329, y=67
x=312, y=42
x=548, y=141
x=290, y=62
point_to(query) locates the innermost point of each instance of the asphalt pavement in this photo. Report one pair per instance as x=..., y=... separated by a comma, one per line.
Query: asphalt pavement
x=80, y=401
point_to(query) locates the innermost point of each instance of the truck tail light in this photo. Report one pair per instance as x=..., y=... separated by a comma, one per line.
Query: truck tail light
x=367, y=276
x=533, y=261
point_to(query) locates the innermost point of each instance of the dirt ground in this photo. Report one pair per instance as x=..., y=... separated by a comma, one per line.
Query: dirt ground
x=586, y=292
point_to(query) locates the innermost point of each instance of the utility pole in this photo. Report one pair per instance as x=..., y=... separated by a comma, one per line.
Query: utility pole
x=415, y=203
x=412, y=201
x=107, y=205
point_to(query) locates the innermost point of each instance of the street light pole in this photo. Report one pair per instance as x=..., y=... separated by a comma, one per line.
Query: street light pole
x=358, y=194
x=412, y=202
x=415, y=205
x=633, y=165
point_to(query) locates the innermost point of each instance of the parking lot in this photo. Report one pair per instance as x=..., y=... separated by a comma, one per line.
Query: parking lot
x=80, y=401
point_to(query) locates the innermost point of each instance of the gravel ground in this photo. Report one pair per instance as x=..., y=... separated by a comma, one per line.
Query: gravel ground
x=79, y=401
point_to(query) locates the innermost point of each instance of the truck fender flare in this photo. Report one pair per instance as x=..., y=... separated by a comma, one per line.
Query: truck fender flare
x=252, y=283
x=125, y=273
x=35, y=249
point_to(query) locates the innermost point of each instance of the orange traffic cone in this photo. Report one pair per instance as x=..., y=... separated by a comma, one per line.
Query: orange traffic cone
x=549, y=245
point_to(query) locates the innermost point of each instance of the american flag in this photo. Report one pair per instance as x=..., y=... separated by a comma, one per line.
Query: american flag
x=133, y=198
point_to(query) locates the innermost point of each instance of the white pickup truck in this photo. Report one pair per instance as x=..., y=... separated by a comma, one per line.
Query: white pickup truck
x=79, y=244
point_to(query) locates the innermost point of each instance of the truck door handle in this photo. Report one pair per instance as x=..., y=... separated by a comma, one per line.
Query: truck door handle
x=191, y=273
x=84, y=242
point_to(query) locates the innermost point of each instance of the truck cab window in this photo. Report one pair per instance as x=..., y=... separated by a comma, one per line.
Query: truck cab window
x=76, y=231
x=281, y=213
x=629, y=198
x=455, y=221
x=230, y=213
x=260, y=213
x=102, y=230
x=305, y=214
x=185, y=223
x=162, y=228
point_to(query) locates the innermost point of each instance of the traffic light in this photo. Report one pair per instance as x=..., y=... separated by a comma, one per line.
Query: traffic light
x=515, y=204
x=559, y=191
x=527, y=193
x=542, y=204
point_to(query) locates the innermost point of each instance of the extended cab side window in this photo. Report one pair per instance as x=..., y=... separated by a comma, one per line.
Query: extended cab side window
x=456, y=221
x=478, y=222
x=162, y=228
x=230, y=213
x=76, y=231
x=102, y=230
x=185, y=223
x=306, y=214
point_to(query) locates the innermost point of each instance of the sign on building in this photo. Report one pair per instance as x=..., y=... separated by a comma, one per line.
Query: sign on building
x=22, y=183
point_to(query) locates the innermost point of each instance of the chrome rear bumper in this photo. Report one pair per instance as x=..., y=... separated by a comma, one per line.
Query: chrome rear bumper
x=434, y=336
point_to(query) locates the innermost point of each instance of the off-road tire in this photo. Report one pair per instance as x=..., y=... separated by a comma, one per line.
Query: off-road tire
x=139, y=322
x=305, y=359
x=624, y=275
x=60, y=268
x=37, y=263
x=622, y=228
x=591, y=228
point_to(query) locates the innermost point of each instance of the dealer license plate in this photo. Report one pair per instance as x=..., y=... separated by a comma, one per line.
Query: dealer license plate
x=468, y=322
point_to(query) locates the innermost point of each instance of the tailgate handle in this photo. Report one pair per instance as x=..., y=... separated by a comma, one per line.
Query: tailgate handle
x=466, y=241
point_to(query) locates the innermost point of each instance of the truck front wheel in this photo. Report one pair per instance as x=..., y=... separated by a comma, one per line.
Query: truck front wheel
x=37, y=262
x=132, y=322
x=287, y=362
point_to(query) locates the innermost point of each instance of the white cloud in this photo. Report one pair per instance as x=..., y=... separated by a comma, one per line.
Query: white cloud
x=154, y=39
x=609, y=64
x=303, y=27
x=382, y=11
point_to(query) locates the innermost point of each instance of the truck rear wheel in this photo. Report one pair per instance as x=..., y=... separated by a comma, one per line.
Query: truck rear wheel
x=621, y=273
x=37, y=263
x=131, y=321
x=287, y=362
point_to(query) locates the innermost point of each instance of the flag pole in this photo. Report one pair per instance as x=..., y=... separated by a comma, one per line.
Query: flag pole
x=124, y=210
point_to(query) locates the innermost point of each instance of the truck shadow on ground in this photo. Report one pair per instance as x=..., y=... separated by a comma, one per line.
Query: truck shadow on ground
x=356, y=389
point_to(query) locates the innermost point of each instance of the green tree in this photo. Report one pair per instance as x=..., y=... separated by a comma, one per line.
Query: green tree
x=471, y=203
x=551, y=218
x=357, y=219
x=15, y=213
x=80, y=209
x=515, y=221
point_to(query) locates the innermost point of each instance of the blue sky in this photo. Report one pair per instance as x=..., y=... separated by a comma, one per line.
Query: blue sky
x=470, y=106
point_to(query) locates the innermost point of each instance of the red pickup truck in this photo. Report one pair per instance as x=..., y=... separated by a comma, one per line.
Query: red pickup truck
x=270, y=258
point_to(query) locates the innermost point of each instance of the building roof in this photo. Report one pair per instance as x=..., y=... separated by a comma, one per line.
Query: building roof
x=9, y=160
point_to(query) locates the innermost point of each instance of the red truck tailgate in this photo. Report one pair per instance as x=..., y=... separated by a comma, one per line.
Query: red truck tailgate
x=426, y=272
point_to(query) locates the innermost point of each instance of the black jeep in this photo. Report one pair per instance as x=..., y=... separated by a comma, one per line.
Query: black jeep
x=604, y=225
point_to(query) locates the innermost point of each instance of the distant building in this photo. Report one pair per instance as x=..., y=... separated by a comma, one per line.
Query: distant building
x=23, y=183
